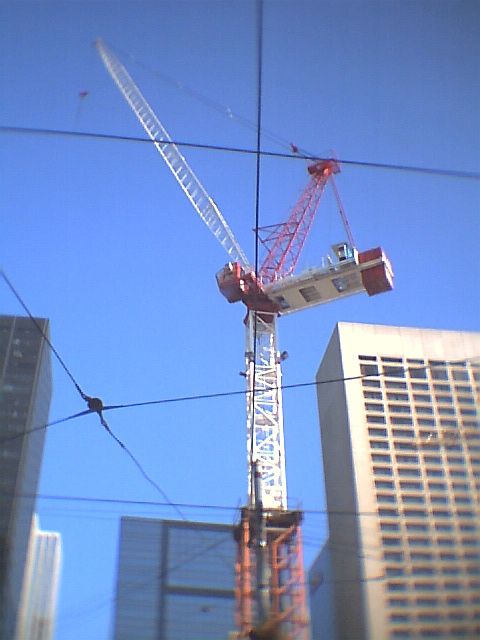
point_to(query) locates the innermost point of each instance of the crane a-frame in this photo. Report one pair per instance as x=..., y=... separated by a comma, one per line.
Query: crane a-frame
x=270, y=581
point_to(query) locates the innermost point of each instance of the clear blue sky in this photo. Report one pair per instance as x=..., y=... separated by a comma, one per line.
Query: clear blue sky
x=97, y=236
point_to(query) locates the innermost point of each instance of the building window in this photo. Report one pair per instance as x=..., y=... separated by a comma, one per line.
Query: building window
x=450, y=571
x=438, y=370
x=403, y=458
x=426, y=422
x=458, y=473
x=441, y=387
x=446, y=542
x=401, y=420
x=425, y=586
x=401, y=445
x=429, y=617
x=420, y=386
x=412, y=486
x=441, y=513
x=393, y=372
x=402, y=397
x=446, y=411
x=393, y=572
x=415, y=541
x=395, y=384
x=384, y=512
x=446, y=399
x=384, y=484
x=399, y=408
x=403, y=433
x=409, y=472
x=369, y=369
x=422, y=397
x=435, y=473
x=399, y=617
x=437, y=486
x=376, y=419
x=389, y=526
x=398, y=602
x=380, y=457
x=461, y=375
x=413, y=499
x=390, y=541
x=424, y=409
x=386, y=498
x=382, y=471
x=377, y=432
x=415, y=513
x=371, y=383
x=422, y=570
x=416, y=526
x=374, y=395
x=379, y=444
x=373, y=406
x=417, y=373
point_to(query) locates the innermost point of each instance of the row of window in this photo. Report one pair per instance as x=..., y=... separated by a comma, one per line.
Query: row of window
x=433, y=372
x=416, y=472
x=426, y=585
x=427, y=570
x=452, y=632
x=414, y=459
x=428, y=601
x=415, y=485
x=420, y=527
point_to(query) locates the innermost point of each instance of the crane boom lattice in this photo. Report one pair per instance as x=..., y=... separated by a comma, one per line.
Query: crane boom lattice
x=188, y=181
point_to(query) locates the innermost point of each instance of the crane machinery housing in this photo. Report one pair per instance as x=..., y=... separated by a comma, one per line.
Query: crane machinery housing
x=270, y=584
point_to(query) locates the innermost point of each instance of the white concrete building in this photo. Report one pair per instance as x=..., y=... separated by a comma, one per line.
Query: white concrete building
x=400, y=433
x=38, y=604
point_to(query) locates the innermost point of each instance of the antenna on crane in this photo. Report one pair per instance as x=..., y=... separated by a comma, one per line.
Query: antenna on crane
x=270, y=583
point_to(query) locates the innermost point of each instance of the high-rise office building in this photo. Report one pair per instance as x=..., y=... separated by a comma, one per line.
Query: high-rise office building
x=400, y=433
x=37, y=612
x=175, y=580
x=25, y=395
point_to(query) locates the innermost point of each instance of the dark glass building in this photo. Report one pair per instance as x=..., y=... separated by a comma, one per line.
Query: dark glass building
x=25, y=395
x=175, y=580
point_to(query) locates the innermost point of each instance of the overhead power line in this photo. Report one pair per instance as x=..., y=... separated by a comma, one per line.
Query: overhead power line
x=95, y=405
x=434, y=171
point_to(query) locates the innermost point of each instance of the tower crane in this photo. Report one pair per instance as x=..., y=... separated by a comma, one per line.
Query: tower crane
x=270, y=585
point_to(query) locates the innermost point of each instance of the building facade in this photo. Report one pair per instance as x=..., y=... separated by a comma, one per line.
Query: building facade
x=175, y=580
x=37, y=612
x=25, y=396
x=400, y=433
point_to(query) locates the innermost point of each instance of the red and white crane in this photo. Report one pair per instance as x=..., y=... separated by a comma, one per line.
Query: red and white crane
x=270, y=582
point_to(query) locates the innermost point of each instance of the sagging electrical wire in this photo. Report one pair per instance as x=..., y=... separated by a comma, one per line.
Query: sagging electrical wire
x=95, y=405
x=434, y=171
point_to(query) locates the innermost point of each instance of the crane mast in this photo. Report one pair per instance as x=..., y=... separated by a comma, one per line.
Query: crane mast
x=270, y=583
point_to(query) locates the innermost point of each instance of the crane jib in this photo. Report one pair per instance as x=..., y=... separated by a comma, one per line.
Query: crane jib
x=186, y=178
